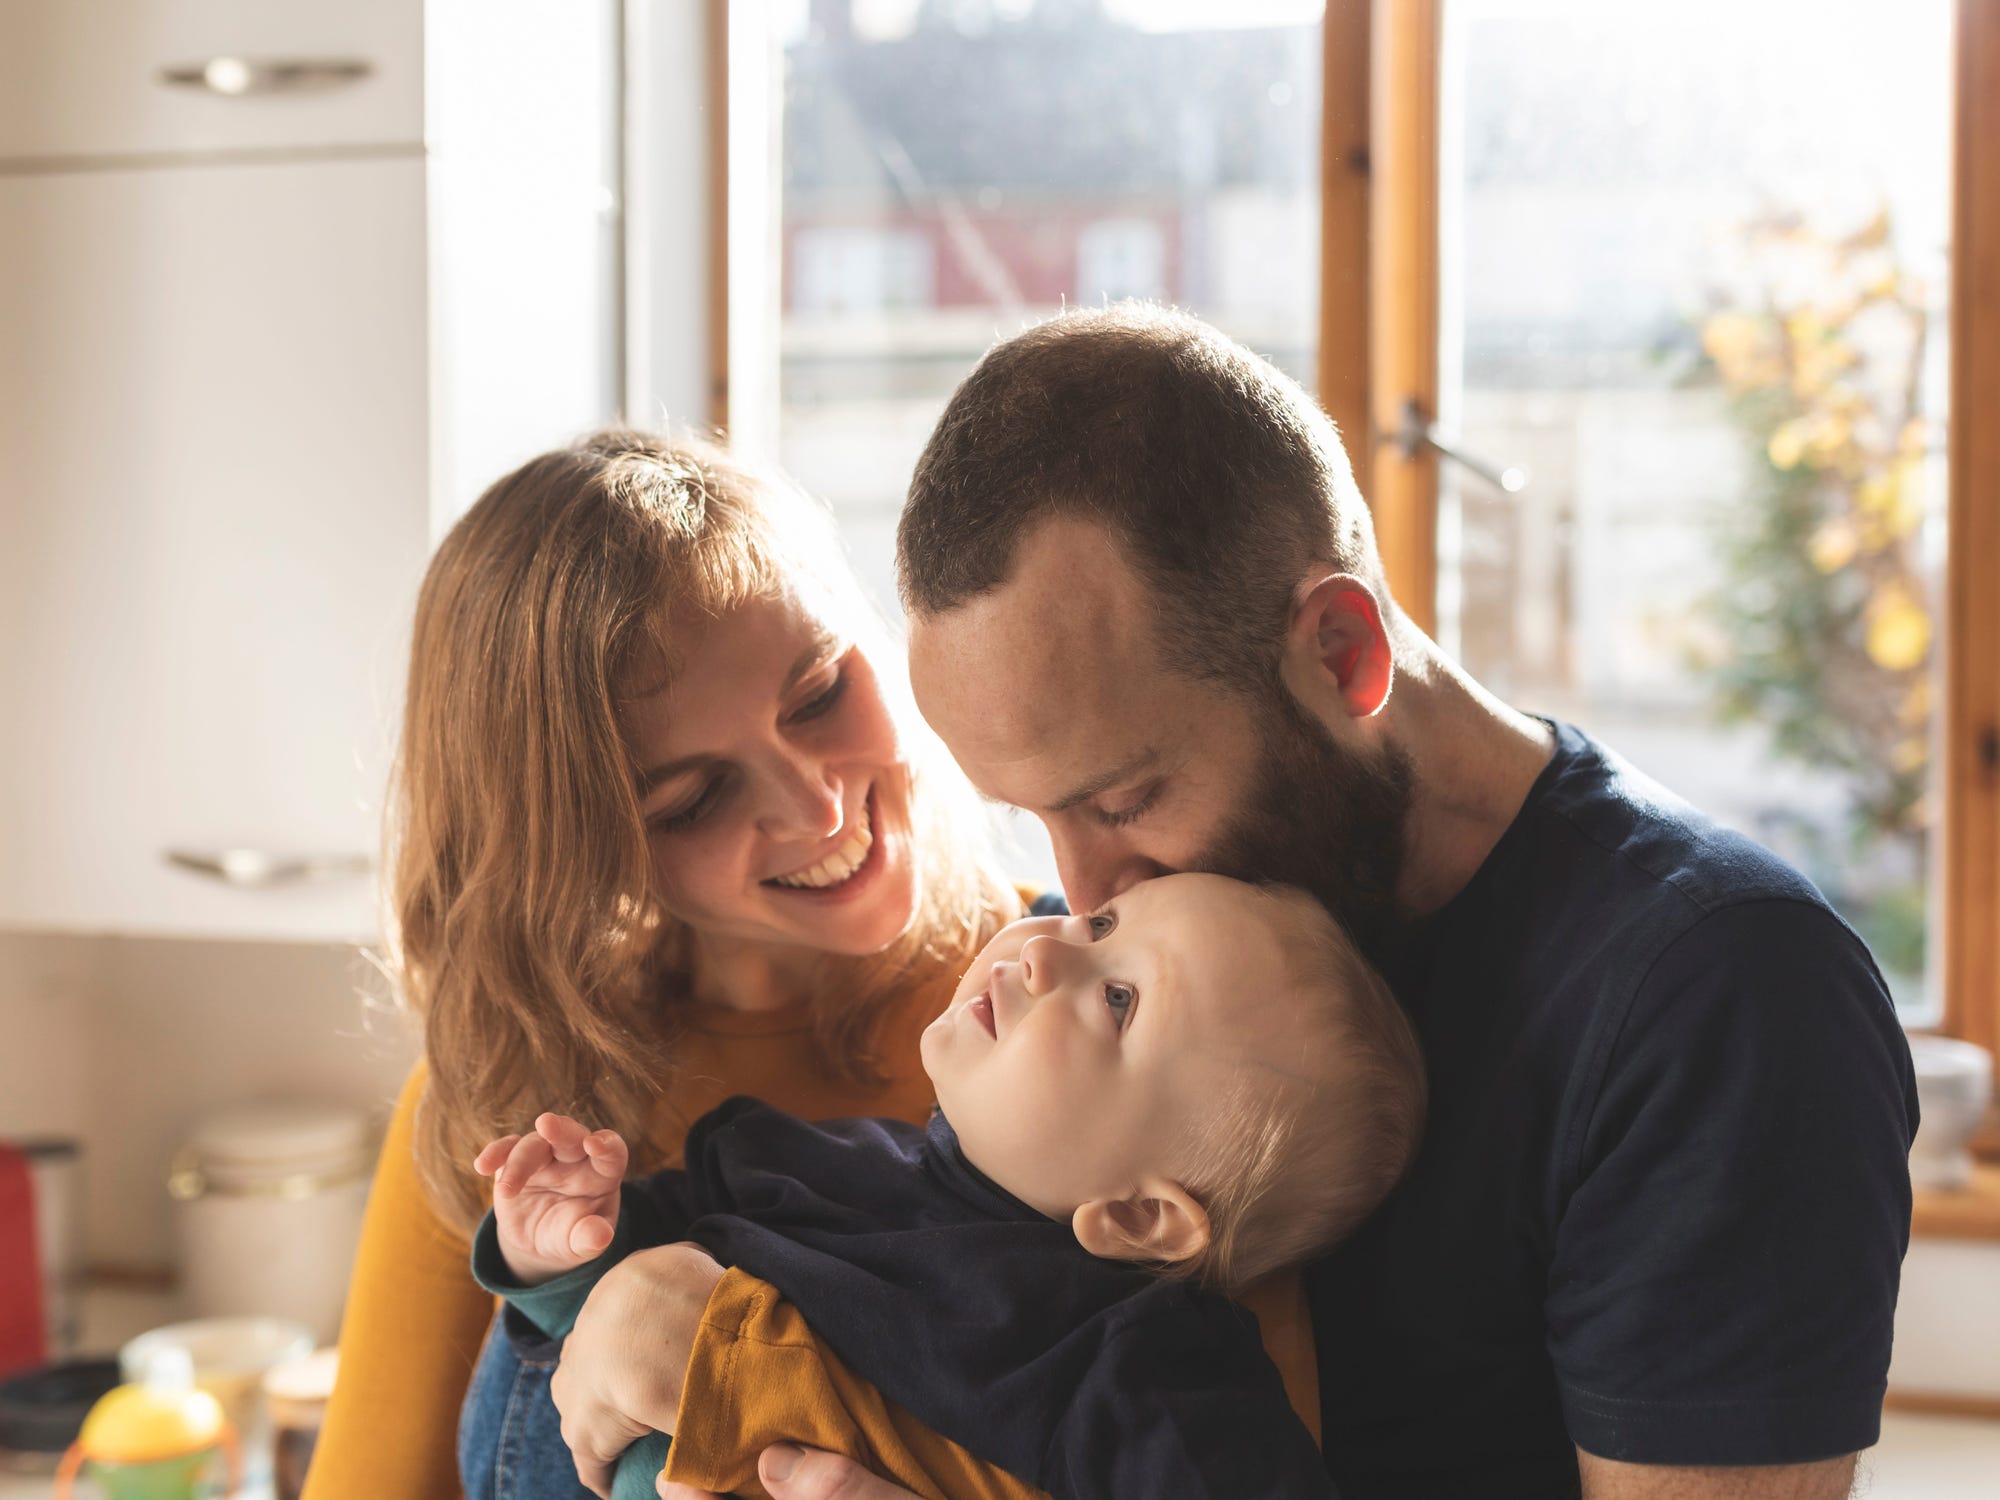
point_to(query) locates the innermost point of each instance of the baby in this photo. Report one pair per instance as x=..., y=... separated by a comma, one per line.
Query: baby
x=1197, y=1085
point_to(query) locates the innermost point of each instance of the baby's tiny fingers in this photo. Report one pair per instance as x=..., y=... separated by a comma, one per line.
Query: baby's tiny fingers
x=530, y=1154
x=492, y=1154
x=607, y=1152
x=563, y=1133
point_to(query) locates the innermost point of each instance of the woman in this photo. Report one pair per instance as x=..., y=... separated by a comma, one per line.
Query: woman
x=661, y=835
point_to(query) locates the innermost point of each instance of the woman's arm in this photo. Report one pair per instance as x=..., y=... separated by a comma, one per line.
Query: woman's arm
x=411, y=1332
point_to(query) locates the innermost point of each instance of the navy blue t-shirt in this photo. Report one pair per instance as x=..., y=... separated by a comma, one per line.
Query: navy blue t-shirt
x=1662, y=1202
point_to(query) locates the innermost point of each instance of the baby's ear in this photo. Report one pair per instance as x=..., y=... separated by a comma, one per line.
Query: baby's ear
x=1157, y=1221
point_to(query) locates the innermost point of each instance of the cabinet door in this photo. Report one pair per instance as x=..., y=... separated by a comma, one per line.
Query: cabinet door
x=110, y=78
x=213, y=463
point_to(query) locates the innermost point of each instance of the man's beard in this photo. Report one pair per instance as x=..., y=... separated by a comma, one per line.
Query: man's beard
x=1324, y=818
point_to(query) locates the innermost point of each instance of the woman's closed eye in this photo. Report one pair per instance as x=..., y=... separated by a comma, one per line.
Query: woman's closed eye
x=822, y=702
x=705, y=802
x=1120, y=998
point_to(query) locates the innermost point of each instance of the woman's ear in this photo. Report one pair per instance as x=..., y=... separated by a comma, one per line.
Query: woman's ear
x=1337, y=639
x=1157, y=1221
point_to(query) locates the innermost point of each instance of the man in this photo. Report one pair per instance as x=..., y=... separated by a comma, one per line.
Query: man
x=1651, y=1244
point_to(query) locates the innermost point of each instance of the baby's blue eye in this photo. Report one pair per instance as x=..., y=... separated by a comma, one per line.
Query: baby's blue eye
x=1101, y=923
x=1120, y=997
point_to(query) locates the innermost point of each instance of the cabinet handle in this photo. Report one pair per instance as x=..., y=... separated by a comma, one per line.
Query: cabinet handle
x=233, y=77
x=252, y=869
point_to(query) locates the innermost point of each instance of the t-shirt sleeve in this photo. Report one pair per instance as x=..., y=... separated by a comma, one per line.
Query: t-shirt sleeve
x=758, y=1375
x=1726, y=1257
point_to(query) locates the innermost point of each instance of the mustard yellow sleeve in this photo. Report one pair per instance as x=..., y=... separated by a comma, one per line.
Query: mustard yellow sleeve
x=758, y=1376
x=408, y=1340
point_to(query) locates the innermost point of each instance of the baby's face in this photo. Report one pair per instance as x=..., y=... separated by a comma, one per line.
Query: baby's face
x=1078, y=1050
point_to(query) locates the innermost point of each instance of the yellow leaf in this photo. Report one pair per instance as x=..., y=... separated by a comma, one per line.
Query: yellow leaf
x=1909, y=755
x=1833, y=546
x=1899, y=631
x=1788, y=443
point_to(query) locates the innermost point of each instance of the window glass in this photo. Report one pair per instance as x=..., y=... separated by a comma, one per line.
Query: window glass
x=1695, y=269
x=955, y=169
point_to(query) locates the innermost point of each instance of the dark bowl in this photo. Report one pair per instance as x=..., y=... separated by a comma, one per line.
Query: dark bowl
x=41, y=1411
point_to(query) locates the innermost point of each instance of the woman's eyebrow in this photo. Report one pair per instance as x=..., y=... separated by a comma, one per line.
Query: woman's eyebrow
x=825, y=643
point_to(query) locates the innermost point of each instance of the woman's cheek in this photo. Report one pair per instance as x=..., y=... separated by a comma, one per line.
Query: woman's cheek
x=702, y=871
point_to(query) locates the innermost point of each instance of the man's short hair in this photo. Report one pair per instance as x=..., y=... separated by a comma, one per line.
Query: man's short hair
x=1219, y=475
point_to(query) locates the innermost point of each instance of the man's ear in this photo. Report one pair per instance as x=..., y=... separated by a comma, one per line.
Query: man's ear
x=1337, y=637
x=1157, y=1221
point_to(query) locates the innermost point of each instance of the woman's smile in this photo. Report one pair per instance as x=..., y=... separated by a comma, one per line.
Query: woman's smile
x=849, y=871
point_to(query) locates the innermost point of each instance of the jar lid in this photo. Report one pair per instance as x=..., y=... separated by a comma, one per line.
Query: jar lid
x=309, y=1378
x=280, y=1139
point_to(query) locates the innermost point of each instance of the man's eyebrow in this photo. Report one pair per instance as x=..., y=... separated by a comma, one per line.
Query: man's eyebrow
x=824, y=643
x=1103, y=783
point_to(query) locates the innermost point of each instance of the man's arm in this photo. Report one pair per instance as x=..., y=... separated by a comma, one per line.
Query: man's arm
x=1606, y=1480
x=1723, y=1285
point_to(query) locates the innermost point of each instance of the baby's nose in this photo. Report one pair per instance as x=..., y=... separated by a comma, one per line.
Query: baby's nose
x=1044, y=960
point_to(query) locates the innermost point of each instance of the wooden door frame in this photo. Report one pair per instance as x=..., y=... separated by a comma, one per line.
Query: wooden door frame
x=1970, y=814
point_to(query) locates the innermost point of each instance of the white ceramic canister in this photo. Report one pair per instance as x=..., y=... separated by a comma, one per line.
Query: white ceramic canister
x=270, y=1200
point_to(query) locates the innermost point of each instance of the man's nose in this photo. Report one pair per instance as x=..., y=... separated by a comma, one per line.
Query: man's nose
x=1093, y=871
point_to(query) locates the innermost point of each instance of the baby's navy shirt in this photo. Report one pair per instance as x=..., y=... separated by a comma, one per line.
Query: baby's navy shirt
x=981, y=1317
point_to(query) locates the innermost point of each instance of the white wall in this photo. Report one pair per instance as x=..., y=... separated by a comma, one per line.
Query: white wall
x=124, y=1043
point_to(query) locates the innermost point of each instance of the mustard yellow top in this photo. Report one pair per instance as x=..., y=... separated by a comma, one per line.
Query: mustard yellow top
x=415, y=1319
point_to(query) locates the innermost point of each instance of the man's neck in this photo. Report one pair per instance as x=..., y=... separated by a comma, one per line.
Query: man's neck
x=1474, y=760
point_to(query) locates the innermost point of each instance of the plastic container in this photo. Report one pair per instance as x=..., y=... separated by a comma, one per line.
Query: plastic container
x=1954, y=1086
x=270, y=1203
x=157, y=1439
x=229, y=1358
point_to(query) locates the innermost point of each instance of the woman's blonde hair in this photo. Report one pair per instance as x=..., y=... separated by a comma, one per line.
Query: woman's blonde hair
x=524, y=925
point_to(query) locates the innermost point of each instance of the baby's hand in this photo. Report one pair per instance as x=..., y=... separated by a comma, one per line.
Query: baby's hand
x=555, y=1195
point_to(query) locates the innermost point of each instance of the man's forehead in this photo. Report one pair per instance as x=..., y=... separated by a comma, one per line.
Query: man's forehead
x=1050, y=676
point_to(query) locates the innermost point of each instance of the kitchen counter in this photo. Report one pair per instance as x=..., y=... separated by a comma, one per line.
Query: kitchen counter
x=1919, y=1457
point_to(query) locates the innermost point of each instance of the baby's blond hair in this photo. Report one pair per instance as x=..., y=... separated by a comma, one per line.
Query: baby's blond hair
x=1317, y=1128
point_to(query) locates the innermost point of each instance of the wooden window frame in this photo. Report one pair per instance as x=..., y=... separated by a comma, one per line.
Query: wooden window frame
x=1398, y=43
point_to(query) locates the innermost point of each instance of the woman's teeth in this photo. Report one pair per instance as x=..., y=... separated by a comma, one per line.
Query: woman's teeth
x=840, y=864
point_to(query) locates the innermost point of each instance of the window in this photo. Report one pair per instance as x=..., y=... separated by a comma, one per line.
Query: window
x=952, y=172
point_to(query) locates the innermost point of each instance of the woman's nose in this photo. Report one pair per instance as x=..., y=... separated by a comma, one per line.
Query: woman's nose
x=804, y=803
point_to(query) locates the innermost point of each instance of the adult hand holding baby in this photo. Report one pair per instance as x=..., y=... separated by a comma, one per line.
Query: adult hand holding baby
x=790, y=1472
x=624, y=1362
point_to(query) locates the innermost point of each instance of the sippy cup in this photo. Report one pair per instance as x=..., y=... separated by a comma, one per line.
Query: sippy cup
x=156, y=1440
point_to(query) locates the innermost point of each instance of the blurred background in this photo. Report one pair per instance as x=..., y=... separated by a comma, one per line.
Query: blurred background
x=1664, y=342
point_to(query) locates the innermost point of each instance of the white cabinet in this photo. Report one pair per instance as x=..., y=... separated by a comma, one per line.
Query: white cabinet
x=239, y=397
x=114, y=78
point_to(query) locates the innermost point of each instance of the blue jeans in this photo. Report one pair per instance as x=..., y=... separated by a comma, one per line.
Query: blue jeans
x=510, y=1444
